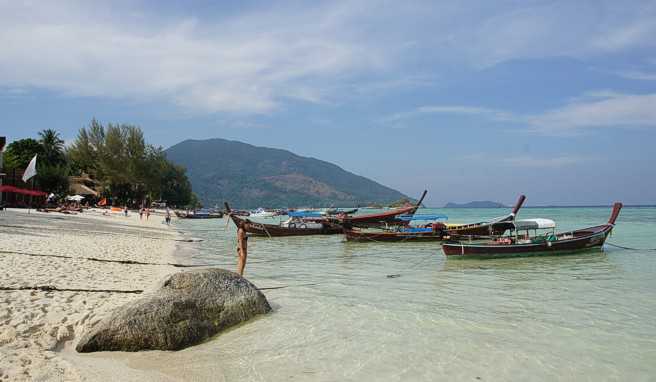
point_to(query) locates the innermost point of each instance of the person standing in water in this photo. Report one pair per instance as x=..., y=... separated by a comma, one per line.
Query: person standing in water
x=242, y=248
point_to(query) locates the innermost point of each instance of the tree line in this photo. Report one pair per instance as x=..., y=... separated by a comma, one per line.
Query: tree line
x=117, y=156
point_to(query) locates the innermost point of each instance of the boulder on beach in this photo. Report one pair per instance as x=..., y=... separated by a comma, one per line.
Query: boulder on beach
x=188, y=308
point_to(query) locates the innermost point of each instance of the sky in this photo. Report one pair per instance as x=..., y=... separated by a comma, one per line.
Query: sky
x=472, y=100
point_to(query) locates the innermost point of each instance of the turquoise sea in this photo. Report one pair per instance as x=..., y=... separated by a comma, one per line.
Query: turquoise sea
x=339, y=316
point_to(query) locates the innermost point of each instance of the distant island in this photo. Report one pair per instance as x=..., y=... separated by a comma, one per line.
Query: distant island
x=476, y=204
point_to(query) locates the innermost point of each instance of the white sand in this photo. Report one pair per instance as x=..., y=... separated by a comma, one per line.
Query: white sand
x=35, y=325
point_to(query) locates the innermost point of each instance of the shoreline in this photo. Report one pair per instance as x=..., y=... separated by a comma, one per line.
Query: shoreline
x=39, y=327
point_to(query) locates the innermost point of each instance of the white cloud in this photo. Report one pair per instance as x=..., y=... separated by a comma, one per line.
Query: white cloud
x=638, y=75
x=252, y=61
x=542, y=162
x=498, y=115
x=229, y=66
x=616, y=111
x=527, y=161
x=448, y=109
x=595, y=109
x=552, y=29
x=627, y=35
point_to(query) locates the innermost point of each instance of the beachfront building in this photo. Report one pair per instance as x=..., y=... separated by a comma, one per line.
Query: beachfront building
x=16, y=193
x=84, y=185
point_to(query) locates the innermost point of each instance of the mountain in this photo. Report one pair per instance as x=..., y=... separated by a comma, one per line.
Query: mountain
x=476, y=204
x=248, y=176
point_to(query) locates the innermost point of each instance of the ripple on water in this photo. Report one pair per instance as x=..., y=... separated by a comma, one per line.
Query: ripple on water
x=582, y=316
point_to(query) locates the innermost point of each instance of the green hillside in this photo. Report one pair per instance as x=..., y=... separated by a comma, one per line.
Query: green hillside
x=248, y=176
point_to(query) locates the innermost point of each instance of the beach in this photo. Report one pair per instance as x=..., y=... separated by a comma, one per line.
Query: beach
x=52, y=249
x=337, y=313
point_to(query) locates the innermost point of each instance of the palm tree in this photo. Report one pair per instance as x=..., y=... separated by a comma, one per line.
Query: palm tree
x=53, y=146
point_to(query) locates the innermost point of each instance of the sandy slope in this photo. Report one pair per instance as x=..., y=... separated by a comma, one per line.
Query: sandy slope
x=34, y=325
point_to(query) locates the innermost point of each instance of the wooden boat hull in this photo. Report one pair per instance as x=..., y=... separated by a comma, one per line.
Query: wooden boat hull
x=494, y=228
x=273, y=230
x=581, y=243
x=201, y=217
x=380, y=219
x=478, y=229
x=184, y=215
x=564, y=243
x=376, y=220
x=362, y=236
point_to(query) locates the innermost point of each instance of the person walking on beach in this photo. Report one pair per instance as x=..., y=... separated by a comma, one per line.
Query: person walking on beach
x=125, y=210
x=168, y=216
x=141, y=212
x=147, y=213
x=242, y=248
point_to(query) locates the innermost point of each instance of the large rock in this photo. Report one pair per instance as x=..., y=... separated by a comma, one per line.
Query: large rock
x=188, y=308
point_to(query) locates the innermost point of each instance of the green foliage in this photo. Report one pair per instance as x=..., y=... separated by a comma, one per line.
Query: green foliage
x=130, y=170
x=53, y=148
x=84, y=154
x=19, y=153
x=117, y=156
x=53, y=178
x=51, y=165
x=194, y=202
x=175, y=186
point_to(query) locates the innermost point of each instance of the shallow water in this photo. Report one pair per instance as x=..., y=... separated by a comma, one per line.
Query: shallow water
x=587, y=316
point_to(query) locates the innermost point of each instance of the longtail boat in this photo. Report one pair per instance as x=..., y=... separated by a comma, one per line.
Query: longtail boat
x=433, y=231
x=379, y=219
x=520, y=243
x=292, y=227
x=337, y=211
x=319, y=214
x=494, y=227
x=199, y=215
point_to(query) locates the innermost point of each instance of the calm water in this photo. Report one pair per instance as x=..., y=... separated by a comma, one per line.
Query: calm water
x=590, y=316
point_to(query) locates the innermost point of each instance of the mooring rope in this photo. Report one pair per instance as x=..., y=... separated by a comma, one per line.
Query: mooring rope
x=50, y=288
x=202, y=230
x=630, y=248
x=287, y=286
x=103, y=233
x=422, y=261
x=133, y=262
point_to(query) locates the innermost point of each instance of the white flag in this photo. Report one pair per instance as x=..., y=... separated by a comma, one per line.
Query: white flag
x=30, y=171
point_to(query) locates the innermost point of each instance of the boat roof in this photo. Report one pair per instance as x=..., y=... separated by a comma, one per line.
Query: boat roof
x=537, y=223
x=424, y=217
x=305, y=214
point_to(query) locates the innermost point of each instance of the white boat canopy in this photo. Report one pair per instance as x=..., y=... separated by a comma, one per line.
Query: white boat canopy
x=526, y=224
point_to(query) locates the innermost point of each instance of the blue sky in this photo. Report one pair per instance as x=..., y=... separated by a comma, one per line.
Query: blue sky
x=473, y=100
